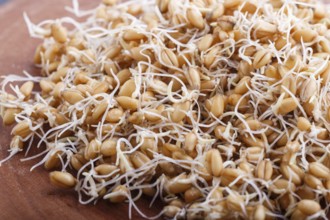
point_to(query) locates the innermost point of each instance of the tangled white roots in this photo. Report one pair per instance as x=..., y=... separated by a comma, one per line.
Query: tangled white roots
x=219, y=108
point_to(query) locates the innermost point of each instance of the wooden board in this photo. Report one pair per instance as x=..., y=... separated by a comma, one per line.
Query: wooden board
x=25, y=194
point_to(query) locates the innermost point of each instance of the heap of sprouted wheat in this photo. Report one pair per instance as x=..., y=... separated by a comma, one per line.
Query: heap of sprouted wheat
x=219, y=108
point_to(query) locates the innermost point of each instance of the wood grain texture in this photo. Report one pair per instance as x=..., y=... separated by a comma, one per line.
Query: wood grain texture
x=25, y=194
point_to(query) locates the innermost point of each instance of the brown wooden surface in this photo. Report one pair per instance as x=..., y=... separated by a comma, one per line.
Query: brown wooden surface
x=25, y=194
